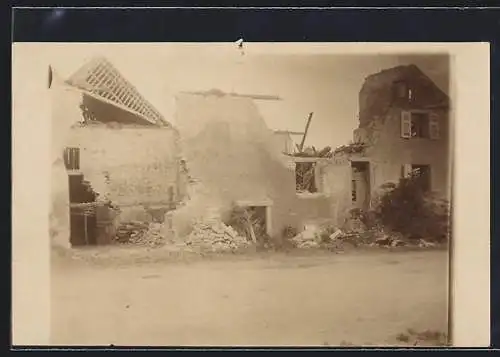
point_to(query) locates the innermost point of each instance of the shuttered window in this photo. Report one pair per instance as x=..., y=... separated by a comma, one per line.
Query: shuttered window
x=405, y=124
x=72, y=158
x=419, y=124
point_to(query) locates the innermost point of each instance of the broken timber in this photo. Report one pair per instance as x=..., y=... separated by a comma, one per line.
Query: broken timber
x=301, y=146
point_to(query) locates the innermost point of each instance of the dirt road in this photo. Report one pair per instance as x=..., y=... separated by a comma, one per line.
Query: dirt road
x=360, y=298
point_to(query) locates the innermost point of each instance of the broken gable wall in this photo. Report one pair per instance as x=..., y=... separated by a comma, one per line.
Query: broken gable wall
x=380, y=128
x=131, y=166
x=234, y=156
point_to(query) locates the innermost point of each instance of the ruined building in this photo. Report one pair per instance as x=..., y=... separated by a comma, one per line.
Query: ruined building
x=234, y=159
x=113, y=156
x=403, y=128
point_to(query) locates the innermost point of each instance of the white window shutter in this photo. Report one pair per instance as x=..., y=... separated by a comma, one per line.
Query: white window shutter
x=406, y=170
x=433, y=126
x=405, y=124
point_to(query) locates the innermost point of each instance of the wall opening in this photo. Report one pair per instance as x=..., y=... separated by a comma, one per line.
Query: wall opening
x=401, y=91
x=420, y=124
x=252, y=220
x=360, y=189
x=257, y=218
x=83, y=222
x=305, y=177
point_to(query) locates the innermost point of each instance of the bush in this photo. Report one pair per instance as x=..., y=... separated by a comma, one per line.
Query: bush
x=406, y=209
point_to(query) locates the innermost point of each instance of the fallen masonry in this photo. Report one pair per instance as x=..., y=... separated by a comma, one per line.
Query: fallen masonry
x=215, y=236
x=210, y=234
x=140, y=233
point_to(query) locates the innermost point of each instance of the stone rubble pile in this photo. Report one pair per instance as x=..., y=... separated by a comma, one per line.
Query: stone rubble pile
x=352, y=236
x=215, y=236
x=140, y=233
x=309, y=238
x=395, y=241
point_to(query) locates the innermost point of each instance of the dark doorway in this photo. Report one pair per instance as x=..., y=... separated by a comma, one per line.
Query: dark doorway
x=257, y=215
x=250, y=222
x=83, y=227
x=360, y=189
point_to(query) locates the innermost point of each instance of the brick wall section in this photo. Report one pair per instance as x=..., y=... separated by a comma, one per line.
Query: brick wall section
x=130, y=165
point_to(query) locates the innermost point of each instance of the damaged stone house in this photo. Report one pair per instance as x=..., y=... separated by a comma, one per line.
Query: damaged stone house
x=235, y=160
x=403, y=129
x=114, y=157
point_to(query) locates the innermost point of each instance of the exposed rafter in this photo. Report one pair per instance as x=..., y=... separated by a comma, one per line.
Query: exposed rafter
x=220, y=93
x=100, y=78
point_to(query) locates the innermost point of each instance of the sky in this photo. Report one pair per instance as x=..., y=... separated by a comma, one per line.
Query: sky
x=325, y=84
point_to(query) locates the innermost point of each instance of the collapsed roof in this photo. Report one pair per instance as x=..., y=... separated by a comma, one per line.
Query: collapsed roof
x=101, y=79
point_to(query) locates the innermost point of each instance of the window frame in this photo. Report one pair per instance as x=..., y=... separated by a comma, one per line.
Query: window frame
x=432, y=122
x=72, y=159
x=402, y=90
x=318, y=178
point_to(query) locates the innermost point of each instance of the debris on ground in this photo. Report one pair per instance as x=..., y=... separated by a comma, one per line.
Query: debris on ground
x=424, y=244
x=398, y=243
x=335, y=235
x=326, y=236
x=140, y=233
x=127, y=231
x=354, y=225
x=387, y=241
x=215, y=236
x=249, y=222
x=309, y=238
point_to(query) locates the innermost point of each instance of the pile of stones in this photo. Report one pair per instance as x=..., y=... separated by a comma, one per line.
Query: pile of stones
x=140, y=233
x=215, y=236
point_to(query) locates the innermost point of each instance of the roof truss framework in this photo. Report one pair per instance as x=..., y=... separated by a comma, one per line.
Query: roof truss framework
x=102, y=79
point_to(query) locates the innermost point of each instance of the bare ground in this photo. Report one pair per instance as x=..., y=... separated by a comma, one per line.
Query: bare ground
x=359, y=298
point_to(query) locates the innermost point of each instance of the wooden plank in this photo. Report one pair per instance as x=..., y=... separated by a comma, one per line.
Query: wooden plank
x=289, y=132
x=301, y=147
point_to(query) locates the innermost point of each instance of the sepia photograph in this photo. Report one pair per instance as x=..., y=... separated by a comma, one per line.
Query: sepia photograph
x=209, y=195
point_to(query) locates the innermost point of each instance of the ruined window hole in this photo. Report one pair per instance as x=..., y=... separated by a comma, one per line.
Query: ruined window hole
x=306, y=177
